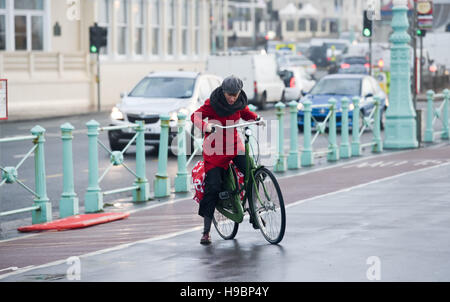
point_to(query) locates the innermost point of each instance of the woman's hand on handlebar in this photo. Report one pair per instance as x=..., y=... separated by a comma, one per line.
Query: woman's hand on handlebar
x=210, y=128
x=261, y=121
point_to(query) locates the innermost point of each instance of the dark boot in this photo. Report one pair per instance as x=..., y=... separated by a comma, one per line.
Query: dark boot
x=254, y=223
x=206, y=239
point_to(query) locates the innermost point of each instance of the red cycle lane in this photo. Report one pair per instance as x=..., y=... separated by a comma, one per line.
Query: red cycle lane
x=337, y=178
x=172, y=217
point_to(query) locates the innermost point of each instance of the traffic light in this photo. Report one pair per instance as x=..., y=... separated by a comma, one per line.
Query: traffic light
x=97, y=38
x=421, y=32
x=367, y=25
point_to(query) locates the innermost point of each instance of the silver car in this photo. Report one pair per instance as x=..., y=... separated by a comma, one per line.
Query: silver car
x=160, y=92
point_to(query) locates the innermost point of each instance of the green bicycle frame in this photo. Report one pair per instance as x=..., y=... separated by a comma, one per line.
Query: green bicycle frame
x=230, y=184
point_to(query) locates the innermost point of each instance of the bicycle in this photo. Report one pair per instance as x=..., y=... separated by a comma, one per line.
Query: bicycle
x=261, y=190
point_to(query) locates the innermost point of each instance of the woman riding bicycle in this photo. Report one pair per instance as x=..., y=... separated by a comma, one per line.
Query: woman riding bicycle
x=226, y=105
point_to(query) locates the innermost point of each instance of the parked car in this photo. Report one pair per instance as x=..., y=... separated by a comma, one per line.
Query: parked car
x=339, y=86
x=296, y=61
x=322, y=51
x=257, y=71
x=302, y=48
x=318, y=54
x=296, y=81
x=355, y=69
x=348, y=61
x=380, y=51
x=158, y=93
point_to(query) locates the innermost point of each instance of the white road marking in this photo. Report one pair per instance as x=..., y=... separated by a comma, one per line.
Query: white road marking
x=12, y=268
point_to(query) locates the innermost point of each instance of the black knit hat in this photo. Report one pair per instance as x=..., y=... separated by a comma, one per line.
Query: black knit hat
x=232, y=85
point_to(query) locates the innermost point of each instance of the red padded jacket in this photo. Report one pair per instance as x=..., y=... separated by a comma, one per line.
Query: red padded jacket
x=223, y=145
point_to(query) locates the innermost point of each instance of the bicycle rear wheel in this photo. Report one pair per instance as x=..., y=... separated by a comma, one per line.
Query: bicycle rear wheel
x=267, y=206
x=226, y=227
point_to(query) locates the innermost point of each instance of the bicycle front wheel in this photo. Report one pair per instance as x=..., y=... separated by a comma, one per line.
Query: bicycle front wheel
x=267, y=206
x=226, y=227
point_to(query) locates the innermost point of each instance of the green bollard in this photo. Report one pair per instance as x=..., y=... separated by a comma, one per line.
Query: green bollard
x=378, y=147
x=280, y=163
x=162, y=181
x=142, y=193
x=344, y=151
x=445, y=134
x=333, y=152
x=293, y=159
x=68, y=204
x=44, y=213
x=93, y=199
x=252, y=107
x=307, y=156
x=429, y=135
x=183, y=179
x=356, y=144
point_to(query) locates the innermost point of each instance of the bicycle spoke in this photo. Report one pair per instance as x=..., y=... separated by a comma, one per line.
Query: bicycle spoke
x=226, y=228
x=268, y=206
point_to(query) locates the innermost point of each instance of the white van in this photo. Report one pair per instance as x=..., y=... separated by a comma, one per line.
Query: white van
x=258, y=72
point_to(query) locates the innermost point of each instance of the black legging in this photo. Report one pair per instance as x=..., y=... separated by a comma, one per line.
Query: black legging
x=213, y=186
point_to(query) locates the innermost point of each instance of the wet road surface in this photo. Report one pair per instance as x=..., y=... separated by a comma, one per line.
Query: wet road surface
x=388, y=211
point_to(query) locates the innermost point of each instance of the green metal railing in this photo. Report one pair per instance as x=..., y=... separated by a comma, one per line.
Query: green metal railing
x=183, y=179
x=140, y=188
x=434, y=114
x=41, y=209
x=307, y=153
x=69, y=202
x=162, y=181
x=333, y=152
x=198, y=145
x=373, y=122
x=280, y=158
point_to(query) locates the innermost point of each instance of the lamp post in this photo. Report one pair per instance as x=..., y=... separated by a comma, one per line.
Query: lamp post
x=400, y=130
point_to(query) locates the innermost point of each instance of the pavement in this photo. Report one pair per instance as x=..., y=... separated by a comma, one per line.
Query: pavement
x=380, y=217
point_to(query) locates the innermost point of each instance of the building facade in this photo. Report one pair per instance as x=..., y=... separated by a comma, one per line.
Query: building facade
x=287, y=20
x=44, y=50
x=325, y=18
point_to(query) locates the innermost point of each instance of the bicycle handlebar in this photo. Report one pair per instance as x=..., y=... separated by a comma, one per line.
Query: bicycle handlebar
x=237, y=125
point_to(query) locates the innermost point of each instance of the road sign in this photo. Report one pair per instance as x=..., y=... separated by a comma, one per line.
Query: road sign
x=424, y=7
x=425, y=14
x=425, y=22
x=3, y=99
